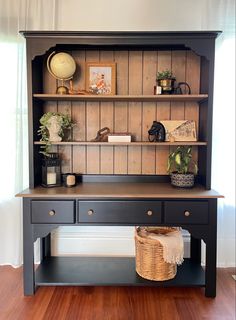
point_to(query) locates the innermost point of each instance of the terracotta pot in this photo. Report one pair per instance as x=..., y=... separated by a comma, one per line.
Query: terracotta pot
x=182, y=180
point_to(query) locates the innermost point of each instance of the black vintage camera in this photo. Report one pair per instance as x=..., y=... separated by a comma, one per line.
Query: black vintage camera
x=157, y=132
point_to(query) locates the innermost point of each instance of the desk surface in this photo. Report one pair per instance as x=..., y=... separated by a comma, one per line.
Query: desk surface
x=120, y=190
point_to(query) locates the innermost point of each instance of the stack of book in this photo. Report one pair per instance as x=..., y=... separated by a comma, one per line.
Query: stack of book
x=119, y=137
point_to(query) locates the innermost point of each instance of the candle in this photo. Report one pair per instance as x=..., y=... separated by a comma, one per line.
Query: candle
x=51, y=178
x=157, y=90
x=70, y=180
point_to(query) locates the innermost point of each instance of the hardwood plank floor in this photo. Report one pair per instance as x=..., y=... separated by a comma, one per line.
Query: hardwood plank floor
x=115, y=303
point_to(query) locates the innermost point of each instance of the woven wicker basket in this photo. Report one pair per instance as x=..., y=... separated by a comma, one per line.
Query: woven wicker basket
x=149, y=256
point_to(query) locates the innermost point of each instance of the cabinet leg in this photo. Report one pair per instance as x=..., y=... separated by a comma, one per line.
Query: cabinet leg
x=195, y=249
x=210, y=290
x=28, y=250
x=45, y=248
x=211, y=243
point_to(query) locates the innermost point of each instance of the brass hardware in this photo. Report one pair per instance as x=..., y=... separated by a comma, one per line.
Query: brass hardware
x=167, y=85
x=52, y=213
x=149, y=212
x=90, y=212
x=186, y=213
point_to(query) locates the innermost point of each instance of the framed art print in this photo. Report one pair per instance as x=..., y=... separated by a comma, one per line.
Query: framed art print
x=101, y=78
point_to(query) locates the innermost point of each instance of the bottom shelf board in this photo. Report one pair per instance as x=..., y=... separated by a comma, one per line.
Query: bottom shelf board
x=109, y=271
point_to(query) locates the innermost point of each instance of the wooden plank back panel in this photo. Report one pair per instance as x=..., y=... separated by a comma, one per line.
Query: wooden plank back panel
x=49, y=86
x=193, y=79
x=106, y=114
x=135, y=110
x=163, y=112
x=65, y=151
x=79, y=163
x=121, y=110
x=92, y=125
x=136, y=74
x=107, y=151
x=148, y=111
x=178, y=68
x=49, y=82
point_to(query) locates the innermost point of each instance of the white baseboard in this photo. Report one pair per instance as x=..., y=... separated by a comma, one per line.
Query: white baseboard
x=119, y=241
x=98, y=241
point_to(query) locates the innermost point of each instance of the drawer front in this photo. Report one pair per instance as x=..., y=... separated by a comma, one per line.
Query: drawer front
x=53, y=211
x=128, y=212
x=186, y=212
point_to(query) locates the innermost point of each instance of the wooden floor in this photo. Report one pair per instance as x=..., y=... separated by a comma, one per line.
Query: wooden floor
x=115, y=303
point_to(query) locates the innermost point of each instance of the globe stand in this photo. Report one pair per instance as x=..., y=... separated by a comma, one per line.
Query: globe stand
x=62, y=90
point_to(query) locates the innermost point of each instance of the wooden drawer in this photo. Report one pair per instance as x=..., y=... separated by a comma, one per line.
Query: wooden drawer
x=53, y=211
x=120, y=212
x=186, y=212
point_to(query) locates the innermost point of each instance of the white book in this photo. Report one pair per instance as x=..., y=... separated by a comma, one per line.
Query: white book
x=119, y=138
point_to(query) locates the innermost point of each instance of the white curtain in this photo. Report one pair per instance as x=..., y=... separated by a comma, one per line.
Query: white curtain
x=221, y=16
x=14, y=16
x=139, y=15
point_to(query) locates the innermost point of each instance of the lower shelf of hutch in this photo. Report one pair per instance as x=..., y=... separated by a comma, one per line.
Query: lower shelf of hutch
x=109, y=271
x=134, y=143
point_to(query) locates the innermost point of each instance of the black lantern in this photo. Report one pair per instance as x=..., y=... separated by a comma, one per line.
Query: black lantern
x=51, y=170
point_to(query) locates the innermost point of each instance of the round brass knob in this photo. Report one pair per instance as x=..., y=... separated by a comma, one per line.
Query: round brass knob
x=90, y=212
x=149, y=212
x=52, y=213
x=187, y=213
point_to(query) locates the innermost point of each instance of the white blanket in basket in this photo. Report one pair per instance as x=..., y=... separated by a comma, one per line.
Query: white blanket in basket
x=173, y=245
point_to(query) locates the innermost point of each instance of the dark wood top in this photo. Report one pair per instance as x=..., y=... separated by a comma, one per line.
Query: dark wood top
x=120, y=190
x=201, y=42
x=45, y=34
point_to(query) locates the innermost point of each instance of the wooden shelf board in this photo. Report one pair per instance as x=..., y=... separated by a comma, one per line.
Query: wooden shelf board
x=144, y=98
x=108, y=271
x=139, y=143
x=121, y=190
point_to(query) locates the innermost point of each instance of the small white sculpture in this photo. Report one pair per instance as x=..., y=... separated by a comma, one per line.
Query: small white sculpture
x=54, y=127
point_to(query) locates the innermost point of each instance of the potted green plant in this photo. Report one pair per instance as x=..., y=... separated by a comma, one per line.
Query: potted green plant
x=182, y=167
x=165, y=80
x=52, y=128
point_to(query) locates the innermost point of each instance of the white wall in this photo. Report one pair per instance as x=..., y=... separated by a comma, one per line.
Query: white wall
x=129, y=15
x=99, y=241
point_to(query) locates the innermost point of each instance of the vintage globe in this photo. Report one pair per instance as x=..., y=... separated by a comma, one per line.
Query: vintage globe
x=61, y=66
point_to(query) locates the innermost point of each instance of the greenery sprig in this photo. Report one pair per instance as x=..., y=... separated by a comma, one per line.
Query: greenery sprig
x=165, y=74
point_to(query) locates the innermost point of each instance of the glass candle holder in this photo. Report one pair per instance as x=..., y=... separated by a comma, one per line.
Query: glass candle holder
x=69, y=179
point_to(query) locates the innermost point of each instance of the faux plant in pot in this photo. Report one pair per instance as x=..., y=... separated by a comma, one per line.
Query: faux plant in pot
x=165, y=80
x=182, y=167
x=52, y=129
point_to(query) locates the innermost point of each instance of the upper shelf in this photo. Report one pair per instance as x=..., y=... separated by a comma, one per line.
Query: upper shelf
x=140, y=98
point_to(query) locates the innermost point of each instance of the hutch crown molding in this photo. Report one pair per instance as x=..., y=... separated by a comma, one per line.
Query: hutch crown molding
x=120, y=182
